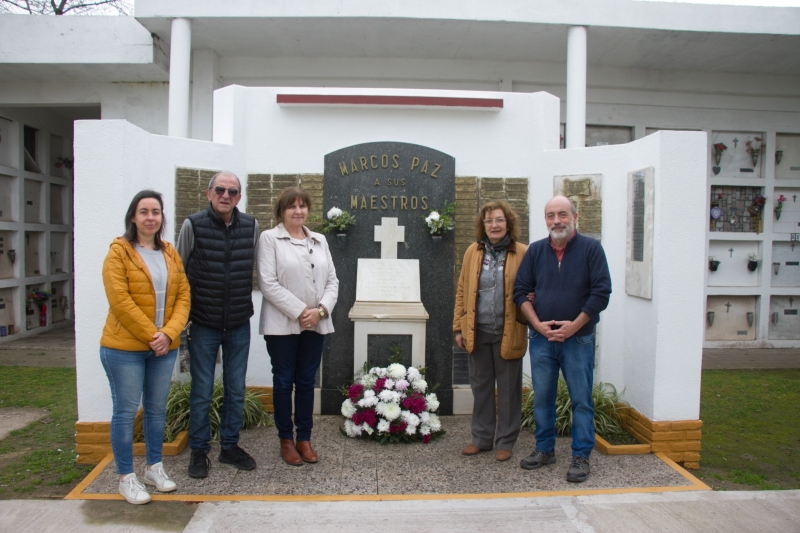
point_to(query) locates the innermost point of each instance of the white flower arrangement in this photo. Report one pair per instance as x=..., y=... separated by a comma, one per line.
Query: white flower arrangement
x=438, y=222
x=390, y=404
x=337, y=221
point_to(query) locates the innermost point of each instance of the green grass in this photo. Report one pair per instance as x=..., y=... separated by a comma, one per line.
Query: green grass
x=751, y=429
x=39, y=460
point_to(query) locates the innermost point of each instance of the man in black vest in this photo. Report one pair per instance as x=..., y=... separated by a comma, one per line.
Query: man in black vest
x=217, y=247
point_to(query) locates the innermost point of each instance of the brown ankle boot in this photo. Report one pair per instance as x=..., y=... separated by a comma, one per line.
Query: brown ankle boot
x=289, y=453
x=307, y=452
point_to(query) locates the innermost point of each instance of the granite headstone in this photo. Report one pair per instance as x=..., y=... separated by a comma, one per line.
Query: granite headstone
x=390, y=179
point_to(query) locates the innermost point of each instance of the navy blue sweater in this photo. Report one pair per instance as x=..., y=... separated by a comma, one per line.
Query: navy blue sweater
x=580, y=283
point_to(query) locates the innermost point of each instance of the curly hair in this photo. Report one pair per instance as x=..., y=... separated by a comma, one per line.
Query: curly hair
x=512, y=220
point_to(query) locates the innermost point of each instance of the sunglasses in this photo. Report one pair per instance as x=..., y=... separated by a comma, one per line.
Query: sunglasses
x=231, y=192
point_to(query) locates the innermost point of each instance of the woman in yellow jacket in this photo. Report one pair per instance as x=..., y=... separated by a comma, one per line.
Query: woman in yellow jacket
x=486, y=326
x=148, y=298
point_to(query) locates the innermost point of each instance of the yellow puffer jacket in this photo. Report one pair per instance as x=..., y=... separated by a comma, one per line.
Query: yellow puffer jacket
x=515, y=328
x=132, y=299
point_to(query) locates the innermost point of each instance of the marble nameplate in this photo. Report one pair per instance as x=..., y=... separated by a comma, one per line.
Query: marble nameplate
x=388, y=280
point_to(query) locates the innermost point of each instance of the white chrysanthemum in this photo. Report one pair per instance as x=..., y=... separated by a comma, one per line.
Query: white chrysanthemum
x=434, y=422
x=412, y=374
x=433, y=216
x=368, y=401
x=334, y=212
x=431, y=402
x=381, y=372
x=374, y=370
x=369, y=393
x=348, y=409
x=389, y=396
x=396, y=371
x=366, y=428
x=390, y=411
x=424, y=417
x=420, y=385
x=350, y=429
x=424, y=429
x=383, y=425
x=410, y=430
x=389, y=383
x=401, y=385
x=368, y=381
x=410, y=418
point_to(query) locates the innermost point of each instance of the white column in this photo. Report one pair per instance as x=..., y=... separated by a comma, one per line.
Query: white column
x=576, y=87
x=180, y=54
x=205, y=74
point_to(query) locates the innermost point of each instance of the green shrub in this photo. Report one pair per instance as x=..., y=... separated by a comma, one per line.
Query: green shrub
x=607, y=400
x=254, y=414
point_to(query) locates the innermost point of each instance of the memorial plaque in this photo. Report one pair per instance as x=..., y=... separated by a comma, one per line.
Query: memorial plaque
x=388, y=280
x=405, y=181
x=586, y=193
x=639, y=242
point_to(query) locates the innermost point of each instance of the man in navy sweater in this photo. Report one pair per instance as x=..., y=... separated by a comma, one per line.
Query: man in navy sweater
x=569, y=275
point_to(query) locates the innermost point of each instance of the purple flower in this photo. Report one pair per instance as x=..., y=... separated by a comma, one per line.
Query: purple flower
x=426, y=439
x=379, y=385
x=398, y=427
x=354, y=392
x=414, y=403
x=369, y=416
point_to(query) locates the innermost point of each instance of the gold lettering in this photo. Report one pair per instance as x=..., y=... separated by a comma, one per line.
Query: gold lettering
x=353, y=202
x=377, y=182
x=403, y=202
x=435, y=170
x=373, y=164
x=424, y=202
x=363, y=202
x=353, y=166
x=385, y=161
x=395, y=161
x=394, y=202
x=414, y=162
x=389, y=182
x=384, y=205
x=402, y=183
x=414, y=202
x=343, y=168
x=424, y=169
x=372, y=202
x=363, y=161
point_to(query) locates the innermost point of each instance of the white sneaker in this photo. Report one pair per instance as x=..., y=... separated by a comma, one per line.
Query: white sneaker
x=155, y=475
x=133, y=491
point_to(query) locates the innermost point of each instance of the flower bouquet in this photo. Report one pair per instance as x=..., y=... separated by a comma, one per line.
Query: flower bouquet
x=337, y=221
x=390, y=405
x=438, y=223
x=754, y=148
x=779, y=206
x=39, y=297
x=718, y=149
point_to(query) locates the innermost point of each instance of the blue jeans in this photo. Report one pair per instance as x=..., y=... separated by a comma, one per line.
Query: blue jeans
x=132, y=375
x=575, y=358
x=203, y=344
x=295, y=360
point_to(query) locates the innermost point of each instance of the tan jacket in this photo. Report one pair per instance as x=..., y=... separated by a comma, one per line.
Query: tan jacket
x=515, y=328
x=132, y=299
x=289, y=284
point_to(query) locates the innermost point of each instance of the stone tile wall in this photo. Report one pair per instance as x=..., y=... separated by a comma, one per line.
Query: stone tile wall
x=740, y=198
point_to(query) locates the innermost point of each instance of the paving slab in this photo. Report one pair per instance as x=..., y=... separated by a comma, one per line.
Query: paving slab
x=13, y=418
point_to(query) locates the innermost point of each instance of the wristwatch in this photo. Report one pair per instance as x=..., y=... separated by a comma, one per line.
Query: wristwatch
x=322, y=312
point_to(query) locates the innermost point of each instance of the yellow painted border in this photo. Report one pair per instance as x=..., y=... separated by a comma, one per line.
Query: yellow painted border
x=620, y=449
x=76, y=493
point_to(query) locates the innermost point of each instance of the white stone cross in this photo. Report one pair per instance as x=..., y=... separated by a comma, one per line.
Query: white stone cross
x=389, y=234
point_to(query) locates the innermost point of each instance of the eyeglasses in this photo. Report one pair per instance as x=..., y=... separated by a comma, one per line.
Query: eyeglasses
x=231, y=192
x=498, y=221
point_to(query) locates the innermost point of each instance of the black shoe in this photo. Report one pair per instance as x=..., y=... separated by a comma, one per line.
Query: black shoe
x=199, y=464
x=579, y=470
x=537, y=460
x=237, y=457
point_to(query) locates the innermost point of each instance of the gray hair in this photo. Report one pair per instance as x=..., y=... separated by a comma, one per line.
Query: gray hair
x=571, y=204
x=224, y=173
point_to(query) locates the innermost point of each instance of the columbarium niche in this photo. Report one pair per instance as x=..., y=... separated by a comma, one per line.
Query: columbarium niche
x=8, y=192
x=7, y=318
x=785, y=268
x=33, y=201
x=736, y=154
x=5, y=143
x=58, y=252
x=34, y=246
x=606, y=135
x=58, y=204
x=784, y=317
x=61, y=302
x=730, y=208
x=733, y=268
x=787, y=217
x=731, y=318
x=8, y=254
x=787, y=156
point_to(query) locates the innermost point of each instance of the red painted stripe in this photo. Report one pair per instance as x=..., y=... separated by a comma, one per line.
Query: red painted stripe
x=356, y=99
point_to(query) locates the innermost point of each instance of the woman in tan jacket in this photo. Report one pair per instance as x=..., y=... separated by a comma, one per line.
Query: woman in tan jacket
x=486, y=326
x=148, y=299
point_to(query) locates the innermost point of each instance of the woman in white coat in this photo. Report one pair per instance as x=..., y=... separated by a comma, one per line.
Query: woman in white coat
x=299, y=288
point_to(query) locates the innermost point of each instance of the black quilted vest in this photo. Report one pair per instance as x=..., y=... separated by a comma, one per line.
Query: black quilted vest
x=220, y=269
